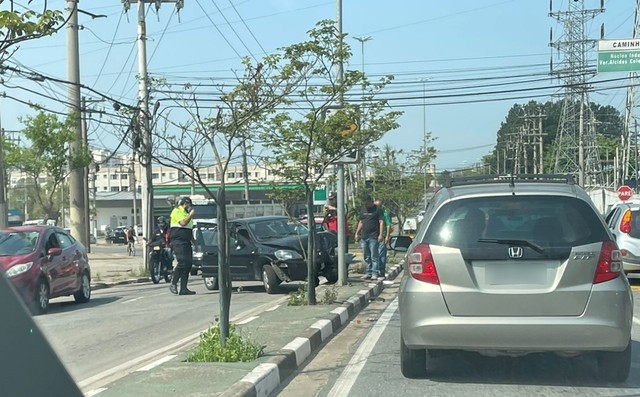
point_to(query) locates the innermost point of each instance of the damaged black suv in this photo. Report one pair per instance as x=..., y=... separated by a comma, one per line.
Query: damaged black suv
x=271, y=249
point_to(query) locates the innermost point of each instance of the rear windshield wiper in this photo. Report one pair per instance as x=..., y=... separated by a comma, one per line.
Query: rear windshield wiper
x=526, y=243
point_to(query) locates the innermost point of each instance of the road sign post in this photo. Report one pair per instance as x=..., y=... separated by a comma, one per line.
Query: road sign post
x=625, y=193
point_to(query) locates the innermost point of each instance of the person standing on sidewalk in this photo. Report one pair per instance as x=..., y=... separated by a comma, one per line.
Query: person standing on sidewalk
x=386, y=234
x=181, y=237
x=330, y=221
x=370, y=228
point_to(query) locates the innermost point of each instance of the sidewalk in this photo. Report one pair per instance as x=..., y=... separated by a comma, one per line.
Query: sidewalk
x=291, y=334
x=110, y=269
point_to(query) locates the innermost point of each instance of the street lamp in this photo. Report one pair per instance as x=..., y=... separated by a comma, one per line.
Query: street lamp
x=424, y=133
x=363, y=40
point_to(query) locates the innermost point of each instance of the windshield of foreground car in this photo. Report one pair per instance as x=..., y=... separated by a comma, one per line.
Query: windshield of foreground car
x=19, y=243
x=277, y=228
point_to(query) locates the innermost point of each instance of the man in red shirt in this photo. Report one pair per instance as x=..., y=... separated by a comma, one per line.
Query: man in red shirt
x=330, y=221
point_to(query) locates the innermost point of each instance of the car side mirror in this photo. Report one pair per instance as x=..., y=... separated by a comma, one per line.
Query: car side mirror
x=54, y=251
x=400, y=243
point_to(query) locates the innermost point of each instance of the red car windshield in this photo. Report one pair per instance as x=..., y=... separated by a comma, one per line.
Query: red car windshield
x=18, y=243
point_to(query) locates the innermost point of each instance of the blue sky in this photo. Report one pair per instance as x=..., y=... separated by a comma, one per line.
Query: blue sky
x=451, y=43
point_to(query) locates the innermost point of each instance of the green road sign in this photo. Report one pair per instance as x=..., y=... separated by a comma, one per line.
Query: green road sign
x=619, y=55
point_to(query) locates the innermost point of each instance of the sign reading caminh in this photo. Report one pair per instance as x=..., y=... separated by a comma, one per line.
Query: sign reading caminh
x=619, y=55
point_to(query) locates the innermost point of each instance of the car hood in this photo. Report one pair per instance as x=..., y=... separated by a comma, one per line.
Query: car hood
x=7, y=262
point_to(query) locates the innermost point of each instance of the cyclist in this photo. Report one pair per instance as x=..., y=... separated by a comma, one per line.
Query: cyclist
x=131, y=239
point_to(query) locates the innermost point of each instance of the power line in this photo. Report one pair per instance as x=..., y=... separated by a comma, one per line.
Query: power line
x=218, y=29
x=162, y=35
x=234, y=31
x=104, y=63
x=247, y=27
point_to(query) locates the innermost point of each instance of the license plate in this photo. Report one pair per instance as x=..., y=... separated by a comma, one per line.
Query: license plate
x=156, y=248
x=516, y=273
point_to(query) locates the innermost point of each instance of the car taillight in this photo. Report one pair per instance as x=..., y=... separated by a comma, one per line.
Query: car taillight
x=609, y=264
x=625, y=223
x=421, y=265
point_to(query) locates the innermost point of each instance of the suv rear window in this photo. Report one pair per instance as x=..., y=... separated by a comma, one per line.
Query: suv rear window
x=548, y=221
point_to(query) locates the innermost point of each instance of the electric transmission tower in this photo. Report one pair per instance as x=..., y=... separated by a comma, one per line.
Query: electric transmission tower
x=576, y=151
x=631, y=117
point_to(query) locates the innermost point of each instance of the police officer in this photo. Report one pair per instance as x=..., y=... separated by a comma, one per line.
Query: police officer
x=181, y=237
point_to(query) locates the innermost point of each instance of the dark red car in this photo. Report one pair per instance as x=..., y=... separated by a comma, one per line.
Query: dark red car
x=45, y=262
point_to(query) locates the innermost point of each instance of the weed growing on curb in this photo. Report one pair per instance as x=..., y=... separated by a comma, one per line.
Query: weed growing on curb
x=142, y=271
x=237, y=348
x=299, y=298
x=330, y=296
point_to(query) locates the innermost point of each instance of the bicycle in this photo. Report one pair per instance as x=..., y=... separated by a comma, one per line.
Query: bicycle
x=131, y=248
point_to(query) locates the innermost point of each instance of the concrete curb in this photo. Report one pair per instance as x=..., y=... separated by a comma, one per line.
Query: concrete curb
x=98, y=286
x=267, y=377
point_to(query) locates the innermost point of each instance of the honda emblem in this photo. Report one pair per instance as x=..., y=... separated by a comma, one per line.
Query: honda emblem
x=515, y=252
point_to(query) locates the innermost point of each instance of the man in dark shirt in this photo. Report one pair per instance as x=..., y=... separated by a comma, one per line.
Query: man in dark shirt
x=370, y=228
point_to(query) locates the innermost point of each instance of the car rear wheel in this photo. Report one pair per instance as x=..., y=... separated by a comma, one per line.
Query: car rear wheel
x=615, y=366
x=413, y=362
x=41, y=303
x=270, y=279
x=83, y=295
x=211, y=283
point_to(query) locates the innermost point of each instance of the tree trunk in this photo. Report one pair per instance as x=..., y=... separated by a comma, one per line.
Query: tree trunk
x=311, y=249
x=224, y=276
x=401, y=220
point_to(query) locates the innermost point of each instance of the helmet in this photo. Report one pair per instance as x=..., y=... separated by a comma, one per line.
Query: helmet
x=185, y=200
x=162, y=221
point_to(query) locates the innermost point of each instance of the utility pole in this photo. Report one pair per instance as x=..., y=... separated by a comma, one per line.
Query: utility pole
x=85, y=176
x=424, y=137
x=362, y=40
x=342, y=267
x=4, y=221
x=245, y=170
x=76, y=194
x=132, y=175
x=143, y=99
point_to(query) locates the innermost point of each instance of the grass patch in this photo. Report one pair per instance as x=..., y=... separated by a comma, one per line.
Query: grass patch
x=237, y=348
x=330, y=296
x=299, y=298
x=141, y=271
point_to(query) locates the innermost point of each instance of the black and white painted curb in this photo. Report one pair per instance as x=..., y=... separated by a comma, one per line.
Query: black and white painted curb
x=266, y=377
x=103, y=285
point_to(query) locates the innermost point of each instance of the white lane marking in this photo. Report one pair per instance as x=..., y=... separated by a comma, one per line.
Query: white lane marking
x=352, y=371
x=133, y=362
x=272, y=308
x=247, y=320
x=157, y=362
x=162, y=293
x=125, y=368
x=636, y=321
x=133, y=300
x=93, y=392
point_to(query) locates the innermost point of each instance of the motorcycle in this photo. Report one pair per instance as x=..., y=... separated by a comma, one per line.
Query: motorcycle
x=160, y=264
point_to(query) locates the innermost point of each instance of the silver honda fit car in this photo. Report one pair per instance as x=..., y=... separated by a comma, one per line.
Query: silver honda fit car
x=515, y=265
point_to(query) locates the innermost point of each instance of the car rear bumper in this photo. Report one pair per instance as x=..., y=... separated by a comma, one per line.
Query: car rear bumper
x=604, y=325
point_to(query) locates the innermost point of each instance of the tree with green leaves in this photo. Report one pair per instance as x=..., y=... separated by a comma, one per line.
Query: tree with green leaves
x=399, y=180
x=19, y=26
x=45, y=160
x=221, y=133
x=305, y=144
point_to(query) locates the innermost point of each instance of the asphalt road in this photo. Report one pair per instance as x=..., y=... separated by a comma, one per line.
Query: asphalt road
x=364, y=360
x=123, y=328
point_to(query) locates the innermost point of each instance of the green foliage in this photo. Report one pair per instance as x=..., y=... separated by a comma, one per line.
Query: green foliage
x=47, y=157
x=288, y=196
x=299, y=298
x=236, y=349
x=330, y=296
x=16, y=26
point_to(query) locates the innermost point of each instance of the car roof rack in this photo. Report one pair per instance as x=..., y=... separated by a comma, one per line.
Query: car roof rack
x=511, y=179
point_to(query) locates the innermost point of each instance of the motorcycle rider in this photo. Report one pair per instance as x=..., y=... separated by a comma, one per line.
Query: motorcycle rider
x=161, y=237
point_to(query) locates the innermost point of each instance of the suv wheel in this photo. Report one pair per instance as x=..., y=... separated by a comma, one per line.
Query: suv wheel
x=211, y=283
x=270, y=279
x=413, y=362
x=615, y=366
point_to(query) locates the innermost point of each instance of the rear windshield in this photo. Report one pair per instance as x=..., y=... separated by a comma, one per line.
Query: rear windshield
x=548, y=221
x=18, y=243
x=206, y=235
x=635, y=224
